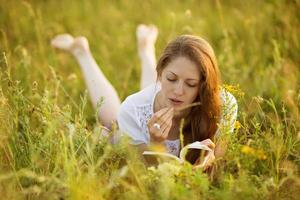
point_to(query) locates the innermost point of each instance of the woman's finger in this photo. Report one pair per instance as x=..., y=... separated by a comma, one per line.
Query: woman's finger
x=167, y=123
x=163, y=132
x=157, y=135
x=163, y=119
x=154, y=131
x=166, y=129
x=156, y=116
x=209, y=143
x=167, y=120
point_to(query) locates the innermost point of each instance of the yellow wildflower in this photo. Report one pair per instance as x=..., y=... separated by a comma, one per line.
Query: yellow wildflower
x=237, y=125
x=261, y=155
x=235, y=90
x=247, y=150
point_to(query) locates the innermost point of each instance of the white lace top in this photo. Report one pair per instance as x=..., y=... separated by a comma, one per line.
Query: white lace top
x=137, y=109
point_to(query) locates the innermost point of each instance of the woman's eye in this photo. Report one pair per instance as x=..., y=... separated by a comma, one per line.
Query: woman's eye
x=191, y=85
x=172, y=80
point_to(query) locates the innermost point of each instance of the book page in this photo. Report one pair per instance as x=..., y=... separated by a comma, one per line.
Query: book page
x=181, y=158
x=194, y=145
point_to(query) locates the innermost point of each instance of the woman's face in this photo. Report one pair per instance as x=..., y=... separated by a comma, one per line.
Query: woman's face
x=179, y=83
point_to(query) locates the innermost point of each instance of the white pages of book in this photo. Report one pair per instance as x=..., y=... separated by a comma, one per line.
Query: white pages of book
x=181, y=159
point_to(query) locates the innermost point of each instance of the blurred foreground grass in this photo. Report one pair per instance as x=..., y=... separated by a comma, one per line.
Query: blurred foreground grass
x=49, y=142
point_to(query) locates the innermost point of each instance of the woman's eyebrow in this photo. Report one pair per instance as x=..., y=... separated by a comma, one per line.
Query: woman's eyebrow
x=173, y=73
x=189, y=79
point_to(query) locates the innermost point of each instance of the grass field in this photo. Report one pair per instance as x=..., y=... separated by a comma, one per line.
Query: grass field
x=49, y=142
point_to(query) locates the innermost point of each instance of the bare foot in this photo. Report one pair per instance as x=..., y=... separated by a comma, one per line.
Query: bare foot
x=68, y=43
x=80, y=45
x=63, y=41
x=146, y=36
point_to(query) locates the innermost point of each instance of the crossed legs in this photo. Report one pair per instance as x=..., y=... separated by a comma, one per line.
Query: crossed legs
x=98, y=86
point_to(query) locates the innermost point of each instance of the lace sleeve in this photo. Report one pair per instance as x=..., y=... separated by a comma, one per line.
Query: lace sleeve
x=229, y=113
x=129, y=125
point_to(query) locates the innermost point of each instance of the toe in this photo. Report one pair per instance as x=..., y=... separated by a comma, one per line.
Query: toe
x=141, y=31
x=63, y=41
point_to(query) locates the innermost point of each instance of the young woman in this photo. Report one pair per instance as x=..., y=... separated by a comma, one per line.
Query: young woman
x=186, y=73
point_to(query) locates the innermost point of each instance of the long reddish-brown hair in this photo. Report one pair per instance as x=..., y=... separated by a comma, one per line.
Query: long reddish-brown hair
x=202, y=120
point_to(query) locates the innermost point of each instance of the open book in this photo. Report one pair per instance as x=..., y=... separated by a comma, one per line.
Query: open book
x=183, y=152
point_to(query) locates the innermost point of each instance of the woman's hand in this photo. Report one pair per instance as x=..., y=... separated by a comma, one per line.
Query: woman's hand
x=209, y=157
x=160, y=124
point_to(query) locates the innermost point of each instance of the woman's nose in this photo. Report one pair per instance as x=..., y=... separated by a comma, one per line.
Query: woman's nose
x=179, y=89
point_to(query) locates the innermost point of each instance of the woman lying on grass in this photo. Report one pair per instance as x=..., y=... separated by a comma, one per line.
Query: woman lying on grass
x=186, y=74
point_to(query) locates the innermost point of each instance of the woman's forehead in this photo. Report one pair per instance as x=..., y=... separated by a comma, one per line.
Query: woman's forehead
x=183, y=67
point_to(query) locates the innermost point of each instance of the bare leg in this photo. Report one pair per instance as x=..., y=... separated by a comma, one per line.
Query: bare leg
x=146, y=37
x=98, y=86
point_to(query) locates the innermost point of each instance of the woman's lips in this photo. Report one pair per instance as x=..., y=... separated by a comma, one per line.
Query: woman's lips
x=175, y=102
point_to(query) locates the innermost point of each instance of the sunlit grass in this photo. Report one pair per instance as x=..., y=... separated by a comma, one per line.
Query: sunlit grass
x=50, y=146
